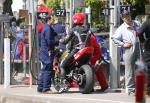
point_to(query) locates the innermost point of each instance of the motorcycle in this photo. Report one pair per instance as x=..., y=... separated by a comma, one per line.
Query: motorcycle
x=78, y=71
x=104, y=49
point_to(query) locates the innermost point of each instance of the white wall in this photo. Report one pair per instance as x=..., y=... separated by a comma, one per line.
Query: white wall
x=17, y=4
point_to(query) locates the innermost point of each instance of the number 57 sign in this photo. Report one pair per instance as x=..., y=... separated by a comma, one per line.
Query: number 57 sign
x=60, y=12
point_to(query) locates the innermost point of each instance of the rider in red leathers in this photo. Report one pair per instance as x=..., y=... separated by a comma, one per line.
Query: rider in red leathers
x=96, y=56
x=78, y=21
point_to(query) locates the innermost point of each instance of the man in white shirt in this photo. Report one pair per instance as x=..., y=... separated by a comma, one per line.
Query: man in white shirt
x=125, y=37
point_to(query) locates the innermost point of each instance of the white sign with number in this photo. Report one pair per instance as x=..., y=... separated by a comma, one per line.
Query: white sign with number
x=60, y=12
x=42, y=15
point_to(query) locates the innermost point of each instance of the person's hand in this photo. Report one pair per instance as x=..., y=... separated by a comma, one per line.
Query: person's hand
x=56, y=69
x=137, y=33
x=60, y=40
x=127, y=44
x=49, y=53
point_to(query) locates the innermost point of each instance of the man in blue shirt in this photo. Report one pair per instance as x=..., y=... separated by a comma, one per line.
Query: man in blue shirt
x=46, y=56
x=59, y=28
x=125, y=37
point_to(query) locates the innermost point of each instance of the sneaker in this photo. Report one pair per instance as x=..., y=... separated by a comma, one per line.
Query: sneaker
x=61, y=90
x=64, y=86
x=131, y=92
x=39, y=90
x=108, y=90
x=92, y=90
x=103, y=90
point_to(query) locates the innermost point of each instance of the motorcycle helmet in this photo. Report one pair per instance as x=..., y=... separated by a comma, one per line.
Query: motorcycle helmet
x=78, y=18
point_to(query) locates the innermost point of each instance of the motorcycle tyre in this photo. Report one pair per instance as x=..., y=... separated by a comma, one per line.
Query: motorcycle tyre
x=87, y=88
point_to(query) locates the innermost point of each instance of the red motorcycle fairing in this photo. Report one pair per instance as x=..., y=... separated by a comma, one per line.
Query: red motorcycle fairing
x=85, y=51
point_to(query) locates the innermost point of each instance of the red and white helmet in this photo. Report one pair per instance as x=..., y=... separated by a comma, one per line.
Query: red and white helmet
x=78, y=18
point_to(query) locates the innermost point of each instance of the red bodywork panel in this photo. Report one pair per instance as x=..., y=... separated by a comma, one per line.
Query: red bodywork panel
x=86, y=50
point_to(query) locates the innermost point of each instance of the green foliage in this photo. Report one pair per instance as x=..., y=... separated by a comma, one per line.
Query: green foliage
x=99, y=22
x=19, y=21
x=93, y=3
x=53, y=3
x=134, y=2
x=137, y=5
x=96, y=19
x=79, y=9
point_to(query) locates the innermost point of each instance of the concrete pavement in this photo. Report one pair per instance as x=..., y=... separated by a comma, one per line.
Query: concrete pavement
x=26, y=94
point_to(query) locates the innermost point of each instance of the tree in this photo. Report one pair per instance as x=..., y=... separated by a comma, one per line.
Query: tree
x=53, y=3
x=96, y=5
x=138, y=6
x=7, y=7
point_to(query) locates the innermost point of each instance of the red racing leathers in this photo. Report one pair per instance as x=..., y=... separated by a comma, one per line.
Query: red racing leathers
x=96, y=56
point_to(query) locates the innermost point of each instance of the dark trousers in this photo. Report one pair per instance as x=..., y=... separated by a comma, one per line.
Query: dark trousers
x=146, y=58
x=66, y=62
x=44, y=78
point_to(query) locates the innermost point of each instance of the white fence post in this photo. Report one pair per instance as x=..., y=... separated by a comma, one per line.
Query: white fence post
x=6, y=62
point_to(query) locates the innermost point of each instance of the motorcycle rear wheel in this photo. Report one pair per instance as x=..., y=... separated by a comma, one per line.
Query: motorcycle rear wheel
x=86, y=79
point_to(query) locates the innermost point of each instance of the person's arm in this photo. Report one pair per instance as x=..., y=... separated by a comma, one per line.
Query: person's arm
x=66, y=39
x=117, y=38
x=141, y=31
x=56, y=42
x=48, y=36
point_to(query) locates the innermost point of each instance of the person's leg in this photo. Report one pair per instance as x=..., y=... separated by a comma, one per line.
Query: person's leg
x=129, y=73
x=40, y=79
x=101, y=78
x=40, y=82
x=65, y=63
x=47, y=77
x=146, y=58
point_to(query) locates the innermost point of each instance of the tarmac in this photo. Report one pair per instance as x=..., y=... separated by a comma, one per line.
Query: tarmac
x=28, y=94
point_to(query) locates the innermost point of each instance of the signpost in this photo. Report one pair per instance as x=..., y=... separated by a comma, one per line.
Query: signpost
x=42, y=15
x=114, y=57
x=106, y=11
x=125, y=7
x=60, y=12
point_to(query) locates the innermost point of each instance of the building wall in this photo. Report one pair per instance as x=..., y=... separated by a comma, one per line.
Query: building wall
x=17, y=4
